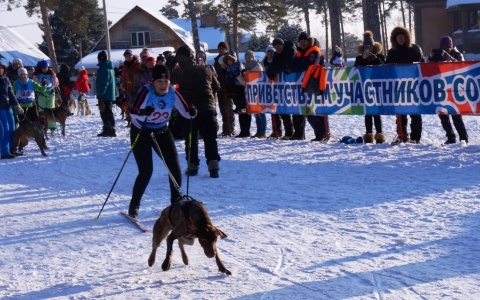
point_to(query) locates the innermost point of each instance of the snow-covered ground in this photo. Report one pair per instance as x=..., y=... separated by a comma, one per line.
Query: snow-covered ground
x=304, y=220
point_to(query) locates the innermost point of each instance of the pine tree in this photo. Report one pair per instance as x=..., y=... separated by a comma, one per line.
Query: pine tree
x=170, y=10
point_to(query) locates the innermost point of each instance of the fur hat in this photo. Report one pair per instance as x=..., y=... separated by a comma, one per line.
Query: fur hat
x=368, y=39
x=399, y=30
x=303, y=36
x=229, y=55
x=222, y=45
x=159, y=72
x=22, y=71
x=278, y=41
x=249, y=53
x=102, y=56
x=446, y=41
x=269, y=48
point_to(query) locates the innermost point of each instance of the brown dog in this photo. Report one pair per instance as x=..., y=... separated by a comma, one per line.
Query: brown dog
x=34, y=130
x=187, y=219
x=58, y=114
x=126, y=111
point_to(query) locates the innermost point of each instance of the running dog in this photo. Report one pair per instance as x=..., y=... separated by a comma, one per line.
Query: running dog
x=29, y=129
x=187, y=219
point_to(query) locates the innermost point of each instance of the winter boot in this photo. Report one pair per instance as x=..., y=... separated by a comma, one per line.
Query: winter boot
x=133, y=211
x=380, y=138
x=368, y=138
x=213, y=168
x=192, y=170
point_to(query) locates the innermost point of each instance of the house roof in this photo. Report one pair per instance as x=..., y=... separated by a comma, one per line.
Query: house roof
x=179, y=31
x=12, y=46
x=451, y=3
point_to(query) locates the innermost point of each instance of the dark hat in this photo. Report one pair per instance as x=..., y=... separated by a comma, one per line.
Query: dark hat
x=102, y=56
x=446, y=41
x=303, y=36
x=160, y=57
x=277, y=41
x=368, y=39
x=127, y=52
x=159, y=72
x=184, y=51
x=222, y=45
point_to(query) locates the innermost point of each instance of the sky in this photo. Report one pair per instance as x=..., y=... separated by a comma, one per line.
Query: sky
x=305, y=220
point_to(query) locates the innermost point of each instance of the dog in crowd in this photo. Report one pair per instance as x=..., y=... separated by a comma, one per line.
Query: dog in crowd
x=82, y=104
x=57, y=114
x=187, y=219
x=72, y=104
x=30, y=130
x=124, y=106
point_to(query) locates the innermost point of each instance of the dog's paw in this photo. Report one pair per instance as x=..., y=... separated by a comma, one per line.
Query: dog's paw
x=166, y=265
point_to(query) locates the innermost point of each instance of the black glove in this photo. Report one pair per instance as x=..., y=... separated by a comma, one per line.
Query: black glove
x=243, y=71
x=192, y=111
x=147, y=111
x=44, y=82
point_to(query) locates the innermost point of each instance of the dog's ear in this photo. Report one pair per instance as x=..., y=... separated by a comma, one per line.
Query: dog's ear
x=220, y=233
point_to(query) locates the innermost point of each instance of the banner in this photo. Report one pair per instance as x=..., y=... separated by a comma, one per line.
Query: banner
x=425, y=88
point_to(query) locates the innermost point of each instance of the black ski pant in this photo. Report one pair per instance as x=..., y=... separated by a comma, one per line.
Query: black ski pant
x=298, y=126
x=206, y=124
x=459, y=126
x=415, y=126
x=142, y=151
x=373, y=119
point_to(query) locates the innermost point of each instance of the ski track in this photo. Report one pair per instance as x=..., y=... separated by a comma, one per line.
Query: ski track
x=304, y=220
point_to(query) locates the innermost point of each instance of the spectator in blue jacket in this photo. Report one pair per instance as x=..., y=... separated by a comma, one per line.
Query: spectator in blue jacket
x=106, y=94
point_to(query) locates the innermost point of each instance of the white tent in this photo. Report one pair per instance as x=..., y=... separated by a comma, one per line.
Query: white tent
x=90, y=61
x=12, y=46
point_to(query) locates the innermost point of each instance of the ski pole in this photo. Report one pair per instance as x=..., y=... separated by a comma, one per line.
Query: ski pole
x=189, y=152
x=121, y=169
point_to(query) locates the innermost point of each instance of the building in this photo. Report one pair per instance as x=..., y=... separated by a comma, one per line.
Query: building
x=142, y=27
x=456, y=18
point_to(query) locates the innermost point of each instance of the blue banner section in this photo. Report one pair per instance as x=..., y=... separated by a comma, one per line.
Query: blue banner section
x=428, y=88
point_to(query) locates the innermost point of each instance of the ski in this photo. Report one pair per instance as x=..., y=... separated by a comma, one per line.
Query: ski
x=134, y=221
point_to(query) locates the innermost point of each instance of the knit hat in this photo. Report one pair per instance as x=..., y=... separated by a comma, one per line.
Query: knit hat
x=269, y=48
x=81, y=68
x=160, y=57
x=222, y=45
x=17, y=61
x=446, y=41
x=159, y=72
x=249, y=53
x=150, y=59
x=144, y=52
x=22, y=71
x=278, y=41
x=127, y=52
x=102, y=56
x=368, y=39
x=303, y=36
